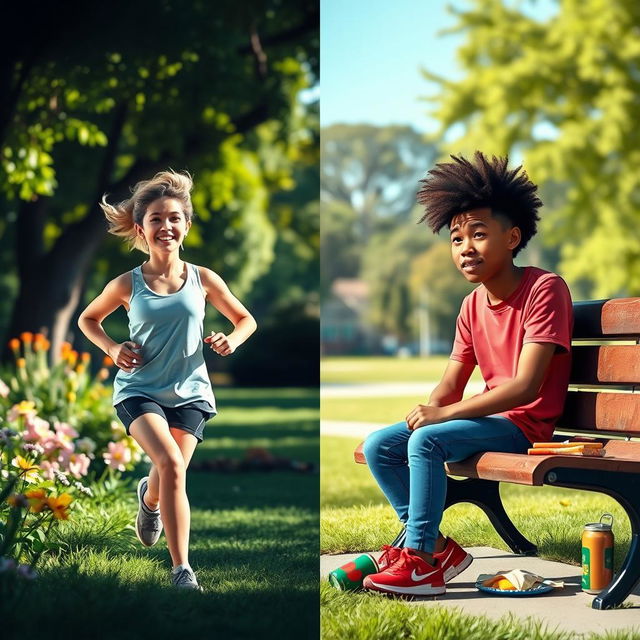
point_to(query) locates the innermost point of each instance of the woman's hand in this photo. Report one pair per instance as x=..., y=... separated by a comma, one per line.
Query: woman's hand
x=425, y=414
x=222, y=344
x=124, y=357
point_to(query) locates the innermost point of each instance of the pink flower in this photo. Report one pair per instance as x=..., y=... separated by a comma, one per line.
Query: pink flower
x=77, y=464
x=37, y=429
x=48, y=467
x=64, y=429
x=118, y=455
x=4, y=390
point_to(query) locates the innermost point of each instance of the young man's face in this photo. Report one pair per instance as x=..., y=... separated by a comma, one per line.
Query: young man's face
x=480, y=245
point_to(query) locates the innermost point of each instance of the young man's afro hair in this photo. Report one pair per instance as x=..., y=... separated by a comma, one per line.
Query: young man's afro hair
x=451, y=188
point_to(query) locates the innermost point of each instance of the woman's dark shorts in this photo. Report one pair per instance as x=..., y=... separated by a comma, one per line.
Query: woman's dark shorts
x=190, y=417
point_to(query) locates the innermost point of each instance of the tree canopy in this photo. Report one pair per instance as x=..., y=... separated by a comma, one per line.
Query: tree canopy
x=561, y=94
x=100, y=97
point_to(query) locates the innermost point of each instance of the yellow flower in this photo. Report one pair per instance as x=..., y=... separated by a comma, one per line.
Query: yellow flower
x=71, y=396
x=60, y=506
x=25, y=408
x=21, y=362
x=37, y=499
x=81, y=368
x=85, y=357
x=30, y=471
x=72, y=357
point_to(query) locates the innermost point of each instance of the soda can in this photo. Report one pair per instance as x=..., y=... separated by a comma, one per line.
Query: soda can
x=597, y=555
x=349, y=576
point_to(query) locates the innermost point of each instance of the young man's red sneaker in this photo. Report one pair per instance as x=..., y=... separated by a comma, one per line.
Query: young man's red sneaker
x=453, y=559
x=389, y=556
x=410, y=575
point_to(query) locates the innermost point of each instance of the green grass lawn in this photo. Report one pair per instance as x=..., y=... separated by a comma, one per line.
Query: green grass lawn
x=356, y=517
x=254, y=545
x=351, y=370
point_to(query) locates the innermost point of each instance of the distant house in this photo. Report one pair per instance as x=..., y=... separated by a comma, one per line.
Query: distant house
x=343, y=326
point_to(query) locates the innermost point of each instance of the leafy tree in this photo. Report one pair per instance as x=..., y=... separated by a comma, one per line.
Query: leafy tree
x=435, y=283
x=374, y=170
x=563, y=95
x=340, y=249
x=387, y=264
x=103, y=96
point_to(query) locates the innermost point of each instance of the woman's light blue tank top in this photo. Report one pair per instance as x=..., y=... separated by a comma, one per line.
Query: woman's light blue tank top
x=169, y=328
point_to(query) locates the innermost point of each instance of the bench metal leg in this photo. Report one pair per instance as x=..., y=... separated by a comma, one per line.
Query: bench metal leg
x=625, y=488
x=486, y=495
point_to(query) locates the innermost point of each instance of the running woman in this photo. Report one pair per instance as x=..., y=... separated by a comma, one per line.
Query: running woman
x=162, y=393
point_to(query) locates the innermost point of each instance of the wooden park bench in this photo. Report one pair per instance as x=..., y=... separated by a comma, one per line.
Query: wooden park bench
x=603, y=403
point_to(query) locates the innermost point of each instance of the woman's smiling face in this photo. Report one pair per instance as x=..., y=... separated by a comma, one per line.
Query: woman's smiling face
x=164, y=224
x=481, y=244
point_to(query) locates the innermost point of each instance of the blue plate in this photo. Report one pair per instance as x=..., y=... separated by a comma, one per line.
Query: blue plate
x=542, y=588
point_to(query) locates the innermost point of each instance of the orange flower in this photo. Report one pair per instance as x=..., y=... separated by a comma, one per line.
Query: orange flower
x=64, y=347
x=72, y=357
x=21, y=362
x=37, y=500
x=107, y=362
x=81, y=368
x=14, y=343
x=26, y=337
x=60, y=506
x=103, y=374
x=85, y=357
x=41, y=342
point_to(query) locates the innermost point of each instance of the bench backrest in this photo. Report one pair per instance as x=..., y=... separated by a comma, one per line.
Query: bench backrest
x=604, y=377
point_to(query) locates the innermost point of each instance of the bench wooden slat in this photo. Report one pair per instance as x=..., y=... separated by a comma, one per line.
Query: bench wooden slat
x=610, y=412
x=605, y=364
x=594, y=319
x=531, y=470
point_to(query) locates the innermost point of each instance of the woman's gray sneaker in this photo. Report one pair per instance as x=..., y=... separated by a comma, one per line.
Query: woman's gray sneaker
x=186, y=579
x=148, y=523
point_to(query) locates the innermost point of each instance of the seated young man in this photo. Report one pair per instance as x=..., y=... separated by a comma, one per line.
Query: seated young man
x=516, y=326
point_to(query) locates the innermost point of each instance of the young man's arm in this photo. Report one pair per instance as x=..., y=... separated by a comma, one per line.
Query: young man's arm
x=452, y=385
x=534, y=361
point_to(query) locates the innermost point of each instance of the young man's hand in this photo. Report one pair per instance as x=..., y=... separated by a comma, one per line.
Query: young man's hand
x=425, y=414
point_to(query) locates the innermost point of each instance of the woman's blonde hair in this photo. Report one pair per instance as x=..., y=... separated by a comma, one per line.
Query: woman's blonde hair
x=123, y=215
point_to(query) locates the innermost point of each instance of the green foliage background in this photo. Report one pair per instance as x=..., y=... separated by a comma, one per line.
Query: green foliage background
x=100, y=97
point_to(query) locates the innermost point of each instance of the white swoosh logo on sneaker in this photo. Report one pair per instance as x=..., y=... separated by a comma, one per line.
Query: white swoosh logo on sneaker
x=416, y=577
x=447, y=558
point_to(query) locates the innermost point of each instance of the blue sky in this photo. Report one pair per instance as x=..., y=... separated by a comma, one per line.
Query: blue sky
x=371, y=53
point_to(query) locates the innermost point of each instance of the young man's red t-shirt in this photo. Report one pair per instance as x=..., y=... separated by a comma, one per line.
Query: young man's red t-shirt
x=491, y=336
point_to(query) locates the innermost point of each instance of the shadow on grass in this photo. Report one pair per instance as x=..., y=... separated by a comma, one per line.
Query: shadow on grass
x=250, y=398
x=72, y=604
x=255, y=550
x=254, y=544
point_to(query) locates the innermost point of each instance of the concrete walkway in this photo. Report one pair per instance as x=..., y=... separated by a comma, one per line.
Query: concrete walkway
x=387, y=389
x=566, y=609
x=348, y=429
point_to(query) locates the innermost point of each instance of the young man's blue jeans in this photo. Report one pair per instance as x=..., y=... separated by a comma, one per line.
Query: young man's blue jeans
x=409, y=466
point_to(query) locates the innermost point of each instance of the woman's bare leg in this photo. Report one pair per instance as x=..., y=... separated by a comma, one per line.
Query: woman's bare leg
x=152, y=433
x=187, y=443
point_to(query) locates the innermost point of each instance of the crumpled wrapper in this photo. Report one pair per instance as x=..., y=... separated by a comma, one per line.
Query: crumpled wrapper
x=522, y=580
